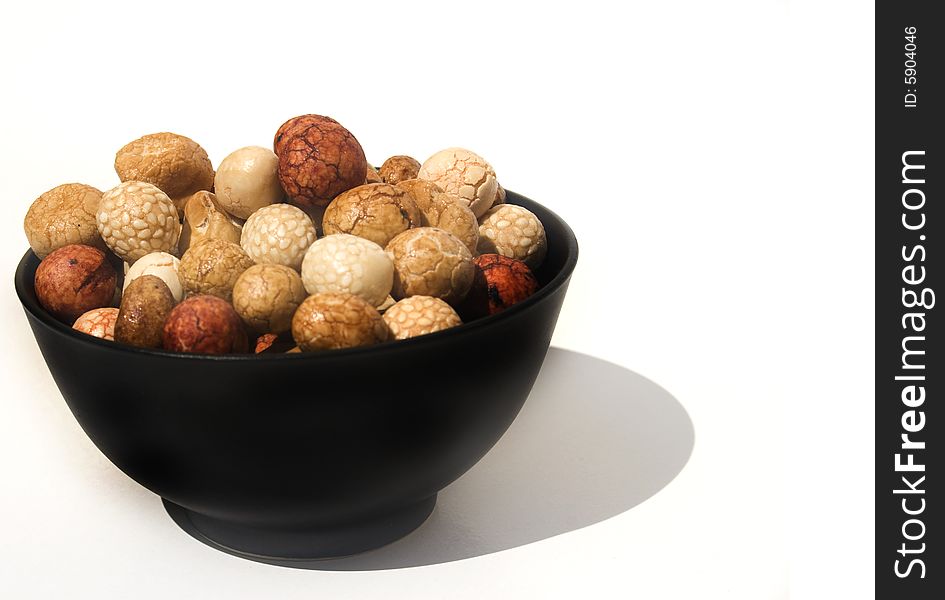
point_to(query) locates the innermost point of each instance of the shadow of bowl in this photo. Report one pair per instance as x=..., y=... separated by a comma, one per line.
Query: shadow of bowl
x=593, y=441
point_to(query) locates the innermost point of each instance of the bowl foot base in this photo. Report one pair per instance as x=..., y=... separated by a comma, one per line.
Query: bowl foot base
x=279, y=546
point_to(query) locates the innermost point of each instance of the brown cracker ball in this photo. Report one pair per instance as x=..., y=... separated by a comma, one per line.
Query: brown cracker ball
x=430, y=262
x=136, y=218
x=295, y=126
x=145, y=305
x=98, y=322
x=204, y=324
x=515, y=232
x=212, y=267
x=266, y=296
x=64, y=215
x=372, y=176
x=420, y=315
x=450, y=214
x=174, y=163
x=74, y=279
x=204, y=218
x=500, y=282
x=318, y=159
x=337, y=320
x=421, y=191
x=399, y=168
x=374, y=211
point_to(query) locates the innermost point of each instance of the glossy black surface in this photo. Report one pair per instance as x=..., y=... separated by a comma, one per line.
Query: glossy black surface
x=260, y=448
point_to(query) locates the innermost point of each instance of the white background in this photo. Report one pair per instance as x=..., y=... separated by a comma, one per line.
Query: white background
x=715, y=160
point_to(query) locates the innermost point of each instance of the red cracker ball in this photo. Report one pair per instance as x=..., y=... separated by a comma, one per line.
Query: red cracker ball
x=318, y=159
x=499, y=283
x=73, y=280
x=204, y=324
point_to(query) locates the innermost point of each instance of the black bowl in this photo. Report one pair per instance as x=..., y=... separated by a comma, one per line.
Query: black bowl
x=301, y=456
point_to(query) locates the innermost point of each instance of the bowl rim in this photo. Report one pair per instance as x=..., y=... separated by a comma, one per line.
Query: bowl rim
x=32, y=307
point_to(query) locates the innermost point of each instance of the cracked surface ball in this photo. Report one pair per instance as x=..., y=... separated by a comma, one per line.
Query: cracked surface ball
x=74, y=279
x=205, y=325
x=204, y=218
x=419, y=315
x=462, y=173
x=399, y=168
x=64, y=215
x=513, y=231
x=451, y=214
x=374, y=211
x=160, y=264
x=500, y=282
x=176, y=164
x=145, y=305
x=136, y=218
x=265, y=296
x=430, y=262
x=421, y=190
x=336, y=320
x=346, y=263
x=247, y=180
x=278, y=234
x=212, y=267
x=318, y=159
x=98, y=322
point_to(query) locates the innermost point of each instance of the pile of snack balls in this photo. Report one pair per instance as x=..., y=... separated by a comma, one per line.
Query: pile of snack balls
x=303, y=248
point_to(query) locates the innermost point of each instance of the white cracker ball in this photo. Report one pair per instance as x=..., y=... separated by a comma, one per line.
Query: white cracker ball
x=161, y=265
x=246, y=181
x=465, y=174
x=514, y=232
x=342, y=262
x=420, y=315
x=136, y=218
x=278, y=234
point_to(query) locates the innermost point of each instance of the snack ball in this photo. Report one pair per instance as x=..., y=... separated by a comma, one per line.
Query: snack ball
x=318, y=159
x=499, y=282
x=73, y=280
x=204, y=324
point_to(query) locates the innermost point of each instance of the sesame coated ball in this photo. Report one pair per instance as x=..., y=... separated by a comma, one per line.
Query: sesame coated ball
x=278, y=234
x=399, y=168
x=247, y=180
x=462, y=173
x=337, y=320
x=346, y=263
x=419, y=315
x=64, y=215
x=98, y=322
x=265, y=296
x=430, y=262
x=136, y=218
x=174, y=163
x=162, y=265
x=212, y=267
x=374, y=211
x=513, y=231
